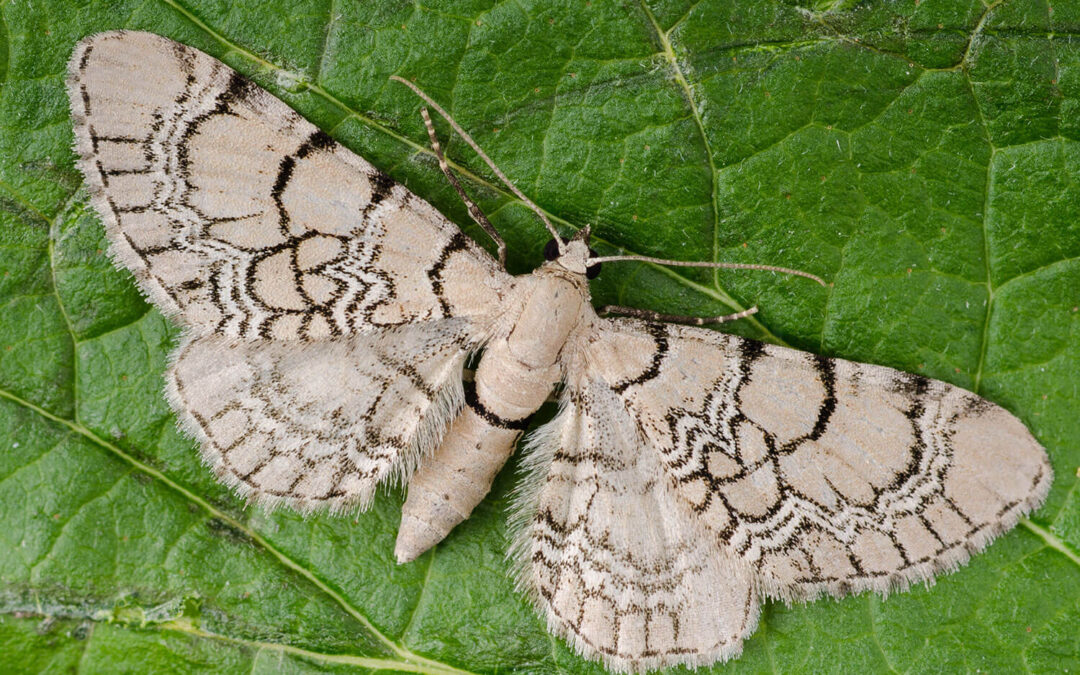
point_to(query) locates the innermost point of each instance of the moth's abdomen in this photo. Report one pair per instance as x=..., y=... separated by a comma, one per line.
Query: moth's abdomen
x=515, y=375
x=449, y=484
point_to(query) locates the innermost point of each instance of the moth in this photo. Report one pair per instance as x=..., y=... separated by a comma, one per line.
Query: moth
x=328, y=314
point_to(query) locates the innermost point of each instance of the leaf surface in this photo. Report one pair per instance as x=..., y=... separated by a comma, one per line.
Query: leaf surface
x=922, y=157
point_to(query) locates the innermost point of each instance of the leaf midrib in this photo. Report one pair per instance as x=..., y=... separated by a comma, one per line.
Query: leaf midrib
x=688, y=94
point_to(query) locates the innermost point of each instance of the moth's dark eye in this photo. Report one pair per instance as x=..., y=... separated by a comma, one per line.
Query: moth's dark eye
x=551, y=250
x=594, y=271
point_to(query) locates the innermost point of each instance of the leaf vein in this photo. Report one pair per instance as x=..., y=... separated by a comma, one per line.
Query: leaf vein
x=403, y=653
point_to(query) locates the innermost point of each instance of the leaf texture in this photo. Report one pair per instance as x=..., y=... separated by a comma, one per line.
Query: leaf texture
x=920, y=156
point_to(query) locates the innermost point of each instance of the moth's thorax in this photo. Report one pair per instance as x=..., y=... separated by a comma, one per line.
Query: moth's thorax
x=546, y=308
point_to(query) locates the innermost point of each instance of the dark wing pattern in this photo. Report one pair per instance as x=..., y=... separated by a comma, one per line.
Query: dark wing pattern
x=612, y=556
x=302, y=274
x=805, y=475
x=243, y=218
x=827, y=475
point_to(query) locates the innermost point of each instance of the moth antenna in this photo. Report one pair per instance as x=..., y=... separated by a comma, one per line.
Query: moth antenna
x=689, y=263
x=474, y=210
x=676, y=318
x=483, y=155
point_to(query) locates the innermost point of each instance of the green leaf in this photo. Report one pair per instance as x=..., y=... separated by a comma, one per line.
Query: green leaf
x=923, y=157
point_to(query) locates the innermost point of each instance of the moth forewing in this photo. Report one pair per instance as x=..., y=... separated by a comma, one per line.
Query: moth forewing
x=328, y=313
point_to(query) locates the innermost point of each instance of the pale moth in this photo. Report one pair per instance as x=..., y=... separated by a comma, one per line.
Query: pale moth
x=328, y=314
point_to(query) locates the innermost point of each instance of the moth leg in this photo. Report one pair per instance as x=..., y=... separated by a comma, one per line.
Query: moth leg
x=675, y=318
x=474, y=210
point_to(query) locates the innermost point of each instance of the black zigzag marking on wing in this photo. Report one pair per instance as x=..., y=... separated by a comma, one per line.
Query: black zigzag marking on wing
x=458, y=242
x=826, y=371
x=351, y=291
x=381, y=186
x=659, y=333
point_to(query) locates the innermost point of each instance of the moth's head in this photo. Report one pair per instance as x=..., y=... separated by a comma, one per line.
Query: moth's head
x=575, y=254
